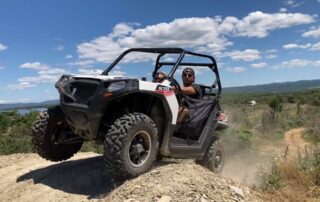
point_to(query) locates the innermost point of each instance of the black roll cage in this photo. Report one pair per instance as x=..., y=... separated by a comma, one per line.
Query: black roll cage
x=162, y=52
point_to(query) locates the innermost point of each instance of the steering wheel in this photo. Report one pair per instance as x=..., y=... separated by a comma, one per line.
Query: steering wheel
x=174, y=82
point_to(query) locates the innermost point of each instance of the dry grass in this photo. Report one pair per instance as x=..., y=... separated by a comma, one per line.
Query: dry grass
x=294, y=180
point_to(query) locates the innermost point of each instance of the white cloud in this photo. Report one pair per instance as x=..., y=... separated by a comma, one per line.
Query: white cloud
x=236, y=69
x=271, y=56
x=46, y=74
x=259, y=24
x=295, y=63
x=309, y=46
x=315, y=33
x=102, y=49
x=68, y=57
x=315, y=47
x=292, y=45
x=289, y=2
x=59, y=48
x=246, y=55
x=35, y=65
x=298, y=63
x=43, y=78
x=82, y=63
x=202, y=34
x=21, y=100
x=116, y=71
x=20, y=86
x=271, y=51
x=90, y=71
x=52, y=71
x=3, y=47
x=259, y=65
x=2, y=67
x=293, y=3
x=283, y=10
x=169, y=59
x=123, y=29
x=184, y=32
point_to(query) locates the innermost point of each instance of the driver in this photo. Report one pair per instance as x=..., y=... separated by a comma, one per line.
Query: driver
x=189, y=87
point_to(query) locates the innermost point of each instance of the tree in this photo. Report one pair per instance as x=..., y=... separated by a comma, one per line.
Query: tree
x=276, y=105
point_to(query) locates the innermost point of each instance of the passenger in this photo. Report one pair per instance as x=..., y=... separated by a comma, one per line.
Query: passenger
x=160, y=77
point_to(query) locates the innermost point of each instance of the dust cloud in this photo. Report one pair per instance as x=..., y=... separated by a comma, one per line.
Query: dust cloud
x=245, y=165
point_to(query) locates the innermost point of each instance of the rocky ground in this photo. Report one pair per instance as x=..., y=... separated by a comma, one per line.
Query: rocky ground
x=27, y=177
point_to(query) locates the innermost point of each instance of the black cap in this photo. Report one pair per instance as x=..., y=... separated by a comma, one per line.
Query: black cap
x=188, y=69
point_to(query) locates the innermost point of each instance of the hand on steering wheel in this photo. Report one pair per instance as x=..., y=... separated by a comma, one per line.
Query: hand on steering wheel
x=177, y=88
x=174, y=83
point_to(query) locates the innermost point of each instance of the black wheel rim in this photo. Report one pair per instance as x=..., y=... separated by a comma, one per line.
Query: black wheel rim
x=139, y=148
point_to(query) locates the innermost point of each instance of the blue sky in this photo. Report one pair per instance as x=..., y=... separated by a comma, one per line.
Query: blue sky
x=254, y=42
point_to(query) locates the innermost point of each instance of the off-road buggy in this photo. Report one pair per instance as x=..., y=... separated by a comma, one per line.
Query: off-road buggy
x=135, y=119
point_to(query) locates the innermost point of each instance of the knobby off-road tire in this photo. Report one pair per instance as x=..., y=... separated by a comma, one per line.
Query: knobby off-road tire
x=131, y=146
x=45, y=129
x=214, y=158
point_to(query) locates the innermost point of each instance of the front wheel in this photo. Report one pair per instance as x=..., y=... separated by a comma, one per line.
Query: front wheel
x=49, y=127
x=131, y=146
x=214, y=158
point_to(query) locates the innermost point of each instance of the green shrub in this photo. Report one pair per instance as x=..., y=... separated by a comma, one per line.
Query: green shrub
x=275, y=105
x=10, y=145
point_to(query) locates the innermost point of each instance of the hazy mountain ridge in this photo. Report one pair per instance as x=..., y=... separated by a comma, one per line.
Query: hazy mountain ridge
x=29, y=105
x=275, y=87
x=264, y=88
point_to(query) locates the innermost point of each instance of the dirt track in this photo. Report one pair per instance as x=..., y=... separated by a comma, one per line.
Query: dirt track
x=295, y=144
x=27, y=177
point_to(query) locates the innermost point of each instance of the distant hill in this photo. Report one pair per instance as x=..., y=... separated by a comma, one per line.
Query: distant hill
x=29, y=105
x=275, y=87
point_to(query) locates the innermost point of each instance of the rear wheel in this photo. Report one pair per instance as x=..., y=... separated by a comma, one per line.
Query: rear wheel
x=131, y=146
x=49, y=130
x=215, y=157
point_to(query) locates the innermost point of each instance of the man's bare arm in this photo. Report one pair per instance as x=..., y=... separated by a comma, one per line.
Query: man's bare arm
x=190, y=90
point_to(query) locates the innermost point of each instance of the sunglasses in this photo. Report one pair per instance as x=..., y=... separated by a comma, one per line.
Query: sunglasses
x=187, y=75
x=159, y=78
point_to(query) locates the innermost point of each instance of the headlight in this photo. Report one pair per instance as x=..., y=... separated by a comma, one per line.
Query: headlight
x=116, y=86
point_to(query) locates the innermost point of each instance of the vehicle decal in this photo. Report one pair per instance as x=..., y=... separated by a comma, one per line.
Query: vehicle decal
x=164, y=90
